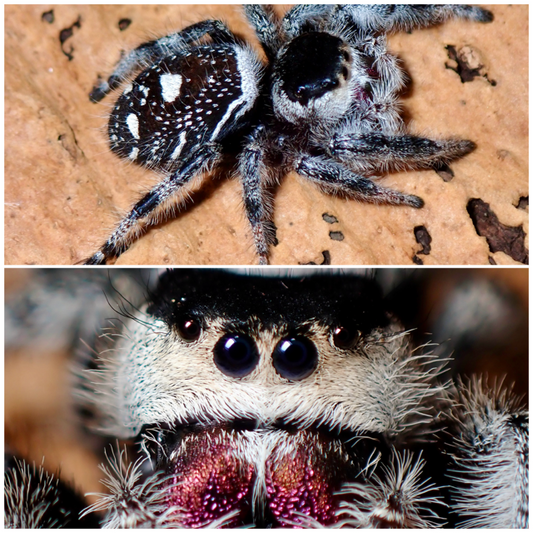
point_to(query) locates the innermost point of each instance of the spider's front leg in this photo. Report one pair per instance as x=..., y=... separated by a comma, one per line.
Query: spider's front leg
x=337, y=179
x=488, y=456
x=156, y=204
x=265, y=23
x=395, y=152
x=153, y=51
x=272, y=33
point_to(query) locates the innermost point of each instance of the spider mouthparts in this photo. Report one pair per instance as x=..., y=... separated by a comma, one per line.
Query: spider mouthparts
x=265, y=477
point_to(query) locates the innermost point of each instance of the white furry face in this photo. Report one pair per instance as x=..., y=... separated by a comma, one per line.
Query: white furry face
x=155, y=376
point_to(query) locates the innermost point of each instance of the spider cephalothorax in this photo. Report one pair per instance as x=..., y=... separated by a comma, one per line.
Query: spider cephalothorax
x=324, y=106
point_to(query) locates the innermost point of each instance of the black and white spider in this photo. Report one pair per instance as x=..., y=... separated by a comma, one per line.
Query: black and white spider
x=325, y=106
x=271, y=399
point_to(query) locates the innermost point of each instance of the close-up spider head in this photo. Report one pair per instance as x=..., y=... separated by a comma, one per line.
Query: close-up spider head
x=281, y=399
x=233, y=383
x=325, y=105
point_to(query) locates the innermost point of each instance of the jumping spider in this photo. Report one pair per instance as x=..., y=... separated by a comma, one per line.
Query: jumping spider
x=292, y=399
x=325, y=106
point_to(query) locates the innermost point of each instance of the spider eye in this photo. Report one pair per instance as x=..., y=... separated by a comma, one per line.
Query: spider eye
x=346, y=337
x=236, y=355
x=295, y=357
x=189, y=329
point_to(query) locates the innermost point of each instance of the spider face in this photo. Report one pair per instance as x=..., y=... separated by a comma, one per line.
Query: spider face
x=314, y=80
x=312, y=65
x=232, y=382
x=325, y=106
x=212, y=347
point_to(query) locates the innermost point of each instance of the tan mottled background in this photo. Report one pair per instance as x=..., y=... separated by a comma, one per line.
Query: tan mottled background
x=65, y=190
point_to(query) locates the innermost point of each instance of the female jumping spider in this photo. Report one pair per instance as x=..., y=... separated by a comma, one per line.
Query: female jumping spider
x=325, y=106
x=279, y=400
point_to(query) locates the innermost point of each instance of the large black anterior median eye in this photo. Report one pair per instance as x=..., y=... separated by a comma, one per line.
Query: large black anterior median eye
x=295, y=357
x=236, y=355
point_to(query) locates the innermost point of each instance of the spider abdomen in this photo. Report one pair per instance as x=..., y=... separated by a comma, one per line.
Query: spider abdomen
x=184, y=101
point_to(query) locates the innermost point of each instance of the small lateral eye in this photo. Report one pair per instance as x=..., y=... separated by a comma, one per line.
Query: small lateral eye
x=345, y=337
x=189, y=329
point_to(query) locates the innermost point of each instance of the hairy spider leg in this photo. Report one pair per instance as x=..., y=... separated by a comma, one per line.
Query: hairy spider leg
x=304, y=17
x=265, y=23
x=390, y=152
x=257, y=203
x=272, y=32
x=153, y=206
x=335, y=178
x=153, y=51
x=406, y=17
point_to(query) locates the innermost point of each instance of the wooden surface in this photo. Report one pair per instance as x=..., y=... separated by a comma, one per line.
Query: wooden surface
x=65, y=191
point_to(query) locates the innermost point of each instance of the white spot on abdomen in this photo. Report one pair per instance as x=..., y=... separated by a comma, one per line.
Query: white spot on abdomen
x=132, y=121
x=170, y=86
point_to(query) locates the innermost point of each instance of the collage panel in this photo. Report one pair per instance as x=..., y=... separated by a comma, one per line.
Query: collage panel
x=296, y=164
x=266, y=398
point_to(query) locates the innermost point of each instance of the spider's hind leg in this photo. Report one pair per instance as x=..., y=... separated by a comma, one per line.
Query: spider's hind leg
x=156, y=204
x=153, y=51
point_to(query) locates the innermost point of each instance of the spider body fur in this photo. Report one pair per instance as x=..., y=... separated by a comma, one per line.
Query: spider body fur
x=325, y=106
